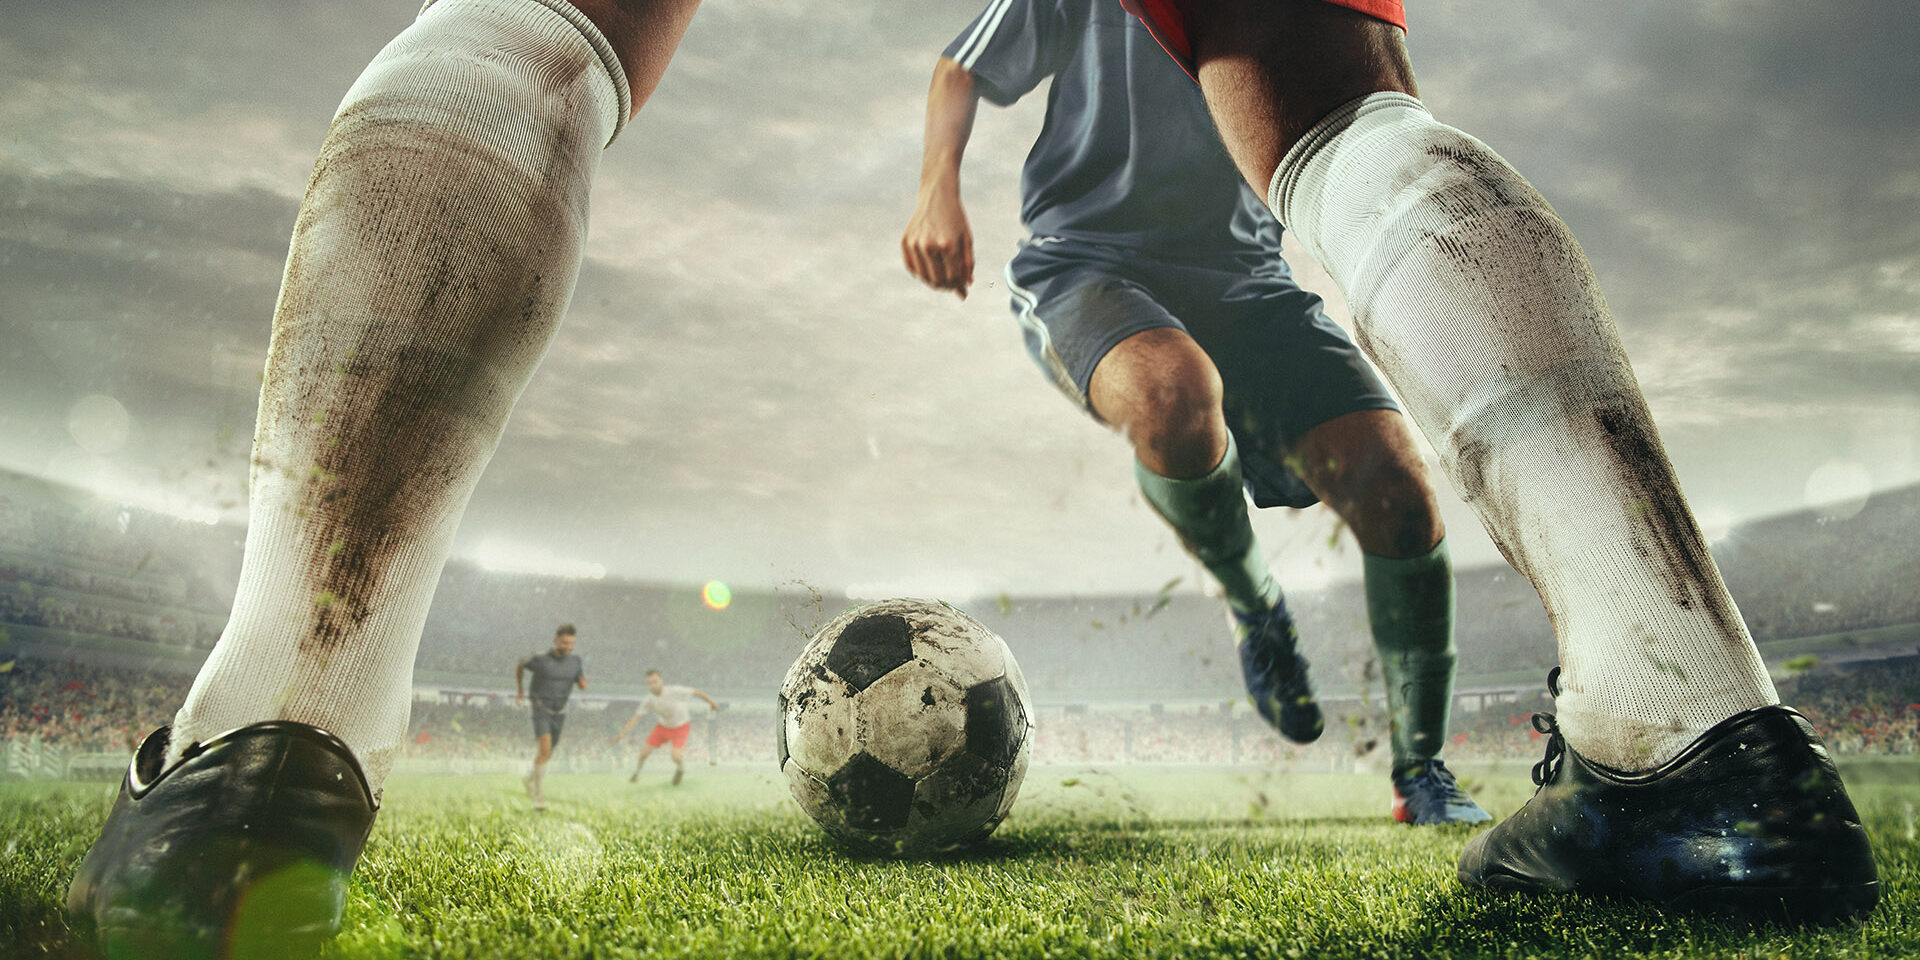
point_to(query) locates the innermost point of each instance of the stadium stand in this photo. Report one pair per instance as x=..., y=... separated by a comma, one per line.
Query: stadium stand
x=106, y=610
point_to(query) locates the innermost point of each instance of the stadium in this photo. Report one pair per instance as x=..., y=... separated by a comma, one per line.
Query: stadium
x=413, y=415
x=1145, y=753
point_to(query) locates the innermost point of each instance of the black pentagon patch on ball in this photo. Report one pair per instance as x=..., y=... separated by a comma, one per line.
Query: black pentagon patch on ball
x=996, y=722
x=780, y=730
x=871, y=795
x=869, y=647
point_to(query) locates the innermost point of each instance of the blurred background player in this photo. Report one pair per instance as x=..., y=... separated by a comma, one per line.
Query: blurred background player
x=556, y=673
x=668, y=704
x=434, y=255
x=1672, y=771
x=1153, y=294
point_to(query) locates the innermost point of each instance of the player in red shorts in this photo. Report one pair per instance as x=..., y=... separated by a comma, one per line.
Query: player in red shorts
x=1477, y=304
x=668, y=704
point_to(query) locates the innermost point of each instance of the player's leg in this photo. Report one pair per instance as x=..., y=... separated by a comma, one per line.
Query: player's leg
x=556, y=723
x=1366, y=466
x=535, y=779
x=1163, y=393
x=1160, y=391
x=1477, y=303
x=1113, y=349
x=641, y=761
x=679, y=754
x=432, y=258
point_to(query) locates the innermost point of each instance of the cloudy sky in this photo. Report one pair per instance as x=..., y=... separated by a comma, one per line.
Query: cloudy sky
x=750, y=387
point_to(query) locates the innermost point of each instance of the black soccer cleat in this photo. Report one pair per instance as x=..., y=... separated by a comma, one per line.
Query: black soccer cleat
x=1751, y=819
x=1276, y=673
x=241, y=849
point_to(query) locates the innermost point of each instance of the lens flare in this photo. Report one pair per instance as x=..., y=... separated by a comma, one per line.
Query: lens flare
x=716, y=595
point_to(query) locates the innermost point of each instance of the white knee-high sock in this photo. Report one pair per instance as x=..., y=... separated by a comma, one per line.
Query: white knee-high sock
x=1476, y=302
x=433, y=257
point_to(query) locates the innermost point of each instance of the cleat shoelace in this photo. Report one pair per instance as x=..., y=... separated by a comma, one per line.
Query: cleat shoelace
x=1556, y=749
x=1556, y=744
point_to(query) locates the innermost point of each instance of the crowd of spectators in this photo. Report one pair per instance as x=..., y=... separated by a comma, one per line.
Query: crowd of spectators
x=110, y=570
x=93, y=569
x=83, y=708
x=81, y=566
x=1869, y=708
x=170, y=626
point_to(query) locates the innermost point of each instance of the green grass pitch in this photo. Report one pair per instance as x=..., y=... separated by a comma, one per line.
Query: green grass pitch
x=1129, y=863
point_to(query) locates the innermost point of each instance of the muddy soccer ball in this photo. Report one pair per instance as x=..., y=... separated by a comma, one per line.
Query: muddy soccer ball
x=905, y=728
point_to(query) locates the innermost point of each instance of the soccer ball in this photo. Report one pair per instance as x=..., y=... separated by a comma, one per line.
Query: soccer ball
x=904, y=728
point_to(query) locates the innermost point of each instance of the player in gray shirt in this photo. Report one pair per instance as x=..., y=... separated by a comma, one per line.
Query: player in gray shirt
x=1152, y=293
x=555, y=674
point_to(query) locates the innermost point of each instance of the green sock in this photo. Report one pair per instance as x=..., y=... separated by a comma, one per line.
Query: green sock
x=1410, y=604
x=1209, y=513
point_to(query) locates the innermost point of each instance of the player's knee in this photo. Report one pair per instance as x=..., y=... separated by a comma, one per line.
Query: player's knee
x=1404, y=527
x=1166, y=394
x=1392, y=510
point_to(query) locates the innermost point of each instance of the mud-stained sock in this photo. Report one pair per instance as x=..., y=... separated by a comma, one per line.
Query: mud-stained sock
x=1410, y=606
x=1209, y=514
x=1479, y=307
x=432, y=259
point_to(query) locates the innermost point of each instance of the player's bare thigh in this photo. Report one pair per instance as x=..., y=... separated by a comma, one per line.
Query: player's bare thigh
x=644, y=34
x=1270, y=69
x=1367, y=467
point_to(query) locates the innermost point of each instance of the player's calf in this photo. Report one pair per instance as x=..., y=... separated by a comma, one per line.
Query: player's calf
x=432, y=259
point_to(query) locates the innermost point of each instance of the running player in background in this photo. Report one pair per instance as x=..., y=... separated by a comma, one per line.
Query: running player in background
x=1153, y=295
x=668, y=704
x=555, y=673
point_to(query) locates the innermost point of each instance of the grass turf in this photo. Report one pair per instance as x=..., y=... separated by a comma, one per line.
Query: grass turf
x=1129, y=863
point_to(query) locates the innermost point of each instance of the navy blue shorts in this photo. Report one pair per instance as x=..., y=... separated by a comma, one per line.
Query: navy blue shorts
x=1284, y=366
x=548, y=722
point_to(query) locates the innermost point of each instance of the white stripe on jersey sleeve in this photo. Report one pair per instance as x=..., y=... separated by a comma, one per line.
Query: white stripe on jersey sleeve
x=983, y=33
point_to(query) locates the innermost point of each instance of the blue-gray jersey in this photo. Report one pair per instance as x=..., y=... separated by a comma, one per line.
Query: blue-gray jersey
x=553, y=678
x=1128, y=156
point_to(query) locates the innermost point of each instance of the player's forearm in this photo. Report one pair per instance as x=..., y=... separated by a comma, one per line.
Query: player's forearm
x=951, y=105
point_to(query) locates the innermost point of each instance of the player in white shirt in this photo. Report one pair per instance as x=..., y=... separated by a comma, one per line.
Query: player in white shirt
x=668, y=704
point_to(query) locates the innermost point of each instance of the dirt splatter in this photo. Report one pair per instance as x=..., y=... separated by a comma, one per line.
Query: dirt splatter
x=1683, y=565
x=1499, y=509
x=400, y=342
